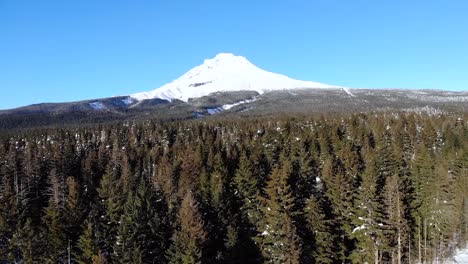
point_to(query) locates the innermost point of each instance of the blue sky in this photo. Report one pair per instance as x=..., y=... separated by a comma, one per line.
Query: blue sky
x=52, y=51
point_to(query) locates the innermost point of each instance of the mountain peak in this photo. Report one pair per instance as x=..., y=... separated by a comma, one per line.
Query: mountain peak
x=226, y=56
x=223, y=59
x=225, y=72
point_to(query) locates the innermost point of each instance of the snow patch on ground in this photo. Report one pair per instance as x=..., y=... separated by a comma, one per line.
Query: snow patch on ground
x=128, y=101
x=216, y=110
x=424, y=110
x=461, y=257
x=212, y=111
x=97, y=105
x=229, y=106
x=438, y=98
x=362, y=227
x=346, y=90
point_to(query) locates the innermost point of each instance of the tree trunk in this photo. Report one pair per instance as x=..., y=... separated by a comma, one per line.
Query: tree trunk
x=419, y=241
x=409, y=248
x=69, y=252
x=376, y=255
x=465, y=215
x=398, y=230
x=425, y=240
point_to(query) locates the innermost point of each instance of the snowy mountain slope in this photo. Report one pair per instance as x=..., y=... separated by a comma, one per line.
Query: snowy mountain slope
x=231, y=85
x=225, y=72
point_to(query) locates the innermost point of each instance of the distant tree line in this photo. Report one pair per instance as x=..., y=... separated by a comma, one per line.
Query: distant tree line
x=362, y=188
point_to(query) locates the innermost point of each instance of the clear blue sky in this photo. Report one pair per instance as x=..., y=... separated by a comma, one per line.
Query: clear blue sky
x=52, y=51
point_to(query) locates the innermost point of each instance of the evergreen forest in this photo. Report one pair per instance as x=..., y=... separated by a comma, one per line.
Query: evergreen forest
x=347, y=188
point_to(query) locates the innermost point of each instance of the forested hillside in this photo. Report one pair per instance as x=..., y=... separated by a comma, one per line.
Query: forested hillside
x=375, y=188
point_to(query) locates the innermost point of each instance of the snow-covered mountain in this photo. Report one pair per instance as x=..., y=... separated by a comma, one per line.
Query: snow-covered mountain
x=225, y=72
x=231, y=85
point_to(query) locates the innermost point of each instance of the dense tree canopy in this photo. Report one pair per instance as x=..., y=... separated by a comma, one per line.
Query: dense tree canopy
x=375, y=188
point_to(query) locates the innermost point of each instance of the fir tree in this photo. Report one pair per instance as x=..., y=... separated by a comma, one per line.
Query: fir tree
x=190, y=236
x=28, y=243
x=54, y=234
x=339, y=192
x=9, y=215
x=142, y=230
x=87, y=246
x=367, y=219
x=110, y=209
x=395, y=222
x=278, y=237
x=322, y=248
x=247, y=186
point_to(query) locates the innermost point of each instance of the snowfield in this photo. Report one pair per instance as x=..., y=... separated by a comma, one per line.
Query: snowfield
x=226, y=72
x=97, y=105
x=461, y=257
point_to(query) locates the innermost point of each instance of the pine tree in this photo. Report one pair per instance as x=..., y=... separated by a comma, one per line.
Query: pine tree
x=9, y=214
x=460, y=176
x=406, y=154
x=395, y=222
x=99, y=258
x=338, y=189
x=221, y=212
x=322, y=249
x=54, y=234
x=142, y=231
x=304, y=178
x=73, y=212
x=387, y=163
x=87, y=246
x=278, y=237
x=110, y=209
x=190, y=236
x=247, y=186
x=27, y=240
x=423, y=172
x=367, y=219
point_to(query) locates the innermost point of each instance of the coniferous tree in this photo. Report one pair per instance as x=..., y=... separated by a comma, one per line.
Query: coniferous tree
x=190, y=236
x=322, y=249
x=367, y=222
x=247, y=187
x=126, y=248
x=87, y=244
x=247, y=190
x=142, y=230
x=54, y=234
x=278, y=237
x=99, y=258
x=339, y=192
x=28, y=243
x=395, y=222
x=110, y=209
x=375, y=188
x=9, y=214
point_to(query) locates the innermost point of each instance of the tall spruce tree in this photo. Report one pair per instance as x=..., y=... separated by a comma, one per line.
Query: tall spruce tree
x=278, y=237
x=9, y=214
x=110, y=209
x=340, y=194
x=367, y=219
x=87, y=244
x=320, y=227
x=142, y=231
x=189, y=236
